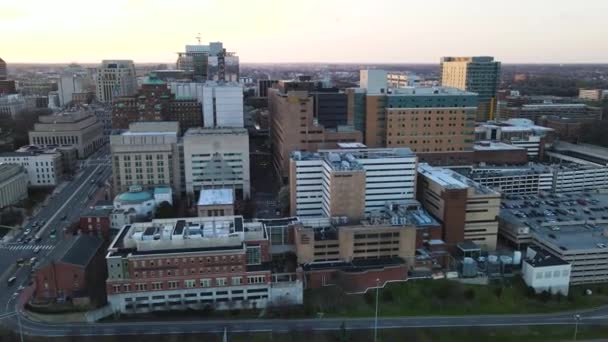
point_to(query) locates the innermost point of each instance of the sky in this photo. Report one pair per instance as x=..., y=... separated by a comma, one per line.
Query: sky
x=355, y=31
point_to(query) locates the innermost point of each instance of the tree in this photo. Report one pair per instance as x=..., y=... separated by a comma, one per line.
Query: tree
x=11, y=217
x=498, y=291
x=469, y=294
x=165, y=210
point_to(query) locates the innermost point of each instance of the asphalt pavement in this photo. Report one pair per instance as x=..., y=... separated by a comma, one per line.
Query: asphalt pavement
x=59, y=211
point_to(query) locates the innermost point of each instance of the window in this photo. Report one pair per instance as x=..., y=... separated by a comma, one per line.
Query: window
x=205, y=282
x=173, y=284
x=256, y=279
x=157, y=286
x=127, y=287
x=220, y=281
x=141, y=287
x=565, y=273
x=190, y=283
x=253, y=255
x=115, y=288
x=237, y=280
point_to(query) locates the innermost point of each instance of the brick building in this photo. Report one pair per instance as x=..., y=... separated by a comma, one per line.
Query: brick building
x=74, y=271
x=197, y=262
x=95, y=222
x=155, y=102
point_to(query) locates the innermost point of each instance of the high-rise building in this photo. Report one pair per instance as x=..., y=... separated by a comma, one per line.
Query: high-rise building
x=3, y=70
x=209, y=62
x=115, y=78
x=353, y=182
x=71, y=82
x=44, y=167
x=147, y=155
x=330, y=107
x=216, y=158
x=11, y=105
x=467, y=210
x=222, y=102
x=479, y=75
x=293, y=126
x=13, y=184
x=427, y=120
x=263, y=85
x=155, y=102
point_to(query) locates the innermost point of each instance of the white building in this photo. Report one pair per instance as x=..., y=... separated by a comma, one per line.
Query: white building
x=518, y=132
x=546, y=272
x=44, y=168
x=115, y=78
x=71, y=82
x=216, y=158
x=138, y=201
x=390, y=175
x=374, y=81
x=11, y=105
x=222, y=103
x=13, y=184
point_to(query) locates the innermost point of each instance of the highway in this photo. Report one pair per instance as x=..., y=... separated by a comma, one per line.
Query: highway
x=60, y=210
x=593, y=317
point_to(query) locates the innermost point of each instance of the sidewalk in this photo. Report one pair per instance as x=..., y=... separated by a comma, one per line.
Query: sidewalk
x=76, y=317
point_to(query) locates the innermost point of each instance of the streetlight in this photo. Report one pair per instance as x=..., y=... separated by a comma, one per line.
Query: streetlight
x=577, y=319
x=376, y=317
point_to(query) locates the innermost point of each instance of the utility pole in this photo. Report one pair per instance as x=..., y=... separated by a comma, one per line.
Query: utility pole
x=376, y=317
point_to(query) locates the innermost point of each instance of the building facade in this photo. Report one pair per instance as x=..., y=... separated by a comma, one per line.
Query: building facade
x=480, y=75
x=197, y=262
x=467, y=210
x=115, y=78
x=78, y=128
x=44, y=168
x=3, y=70
x=146, y=155
x=545, y=272
x=209, y=62
x=216, y=158
x=11, y=105
x=13, y=184
x=294, y=128
x=350, y=182
x=534, y=112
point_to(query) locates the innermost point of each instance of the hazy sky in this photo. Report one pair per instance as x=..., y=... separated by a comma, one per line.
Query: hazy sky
x=400, y=31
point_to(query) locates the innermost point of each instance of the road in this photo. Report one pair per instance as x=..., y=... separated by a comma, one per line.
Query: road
x=61, y=209
x=594, y=317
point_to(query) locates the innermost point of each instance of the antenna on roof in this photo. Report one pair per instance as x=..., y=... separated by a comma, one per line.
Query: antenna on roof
x=198, y=37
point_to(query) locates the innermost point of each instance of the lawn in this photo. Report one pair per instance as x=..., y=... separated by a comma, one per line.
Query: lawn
x=443, y=297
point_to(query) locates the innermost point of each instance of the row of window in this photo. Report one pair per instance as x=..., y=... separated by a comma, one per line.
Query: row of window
x=188, y=284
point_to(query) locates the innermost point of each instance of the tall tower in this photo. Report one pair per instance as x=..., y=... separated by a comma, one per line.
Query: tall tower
x=479, y=75
x=115, y=78
x=3, y=71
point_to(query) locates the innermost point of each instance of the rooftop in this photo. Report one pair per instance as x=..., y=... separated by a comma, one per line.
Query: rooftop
x=216, y=197
x=537, y=257
x=357, y=153
x=77, y=251
x=495, y=146
x=570, y=221
x=593, y=151
x=429, y=91
x=198, y=131
x=450, y=179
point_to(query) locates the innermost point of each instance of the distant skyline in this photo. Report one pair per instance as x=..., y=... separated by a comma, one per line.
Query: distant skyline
x=329, y=31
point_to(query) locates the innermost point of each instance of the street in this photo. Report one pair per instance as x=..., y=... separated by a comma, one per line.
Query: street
x=59, y=211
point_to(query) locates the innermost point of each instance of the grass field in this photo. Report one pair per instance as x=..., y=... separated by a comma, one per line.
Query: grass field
x=443, y=297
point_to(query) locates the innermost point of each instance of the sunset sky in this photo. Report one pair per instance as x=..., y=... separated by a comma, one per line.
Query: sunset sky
x=400, y=31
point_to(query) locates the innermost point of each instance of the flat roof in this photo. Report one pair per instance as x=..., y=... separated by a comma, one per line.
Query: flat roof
x=450, y=179
x=585, y=149
x=495, y=146
x=216, y=197
x=542, y=258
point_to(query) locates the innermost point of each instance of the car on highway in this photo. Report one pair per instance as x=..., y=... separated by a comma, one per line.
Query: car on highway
x=33, y=260
x=42, y=222
x=20, y=262
x=38, y=239
x=27, y=232
x=11, y=280
x=64, y=217
x=19, y=240
x=53, y=234
x=37, y=250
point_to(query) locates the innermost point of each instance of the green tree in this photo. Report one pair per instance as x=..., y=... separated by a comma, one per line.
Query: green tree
x=165, y=210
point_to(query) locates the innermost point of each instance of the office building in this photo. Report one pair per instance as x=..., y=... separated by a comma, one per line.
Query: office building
x=154, y=102
x=72, y=81
x=148, y=155
x=195, y=263
x=7, y=87
x=263, y=85
x=13, y=184
x=293, y=126
x=3, y=70
x=402, y=80
x=74, y=272
x=572, y=227
x=351, y=182
x=115, y=78
x=216, y=158
x=11, y=105
x=44, y=167
x=480, y=75
x=69, y=128
x=209, y=62
x=36, y=86
x=222, y=102
x=592, y=94
x=467, y=210
x=427, y=120
x=517, y=132
x=544, y=271
x=534, y=112
x=564, y=129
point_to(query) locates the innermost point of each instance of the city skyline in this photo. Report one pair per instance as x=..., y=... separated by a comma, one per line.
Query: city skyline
x=268, y=31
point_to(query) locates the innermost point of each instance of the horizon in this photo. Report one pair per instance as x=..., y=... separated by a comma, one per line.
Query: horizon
x=265, y=31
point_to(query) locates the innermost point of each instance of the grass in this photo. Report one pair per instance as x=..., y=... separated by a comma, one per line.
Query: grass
x=443, y=297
